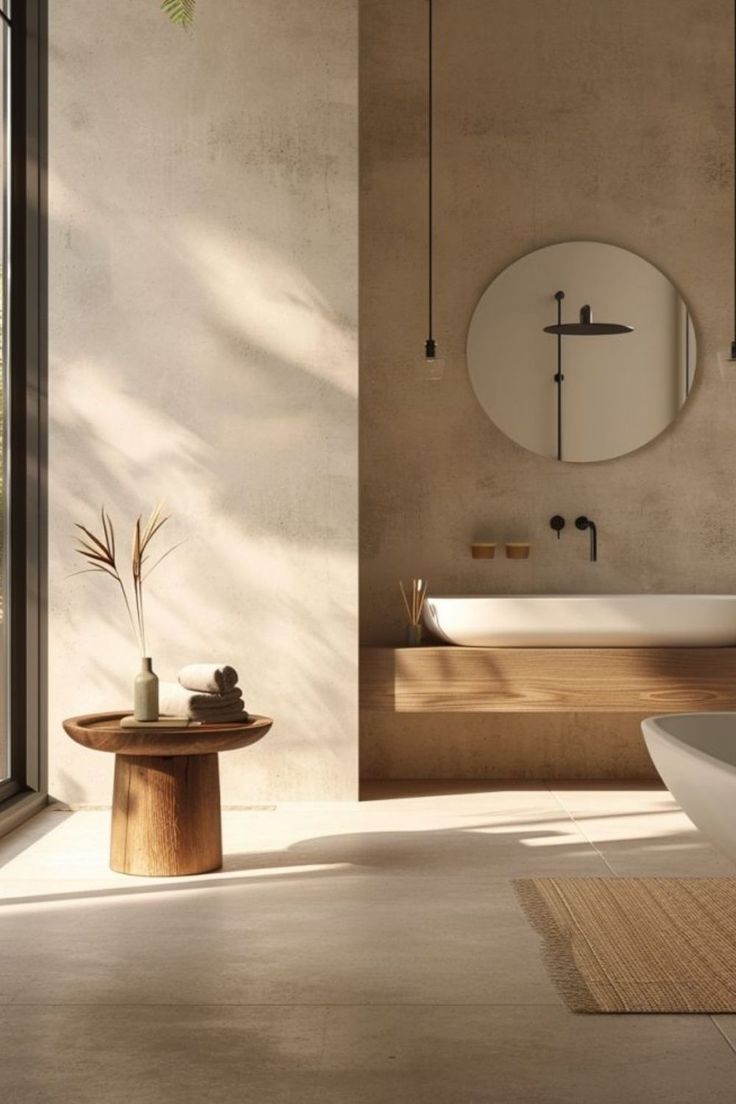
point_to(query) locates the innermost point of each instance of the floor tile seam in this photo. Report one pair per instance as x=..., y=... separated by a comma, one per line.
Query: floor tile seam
x=729, y=1043
x=482, y=878
x=583, y=833
x=282, y=1004
x=596, y=848
x=579, y=828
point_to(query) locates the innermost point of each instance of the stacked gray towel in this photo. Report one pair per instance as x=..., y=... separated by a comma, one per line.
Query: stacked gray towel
x=205, y=692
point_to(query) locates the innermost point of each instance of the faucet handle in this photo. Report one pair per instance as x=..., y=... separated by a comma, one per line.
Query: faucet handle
x=557, y=523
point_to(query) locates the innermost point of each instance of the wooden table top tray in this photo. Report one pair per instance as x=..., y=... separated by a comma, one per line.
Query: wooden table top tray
x=102, y=732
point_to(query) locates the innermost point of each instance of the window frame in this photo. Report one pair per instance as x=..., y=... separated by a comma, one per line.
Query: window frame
x=25, y=348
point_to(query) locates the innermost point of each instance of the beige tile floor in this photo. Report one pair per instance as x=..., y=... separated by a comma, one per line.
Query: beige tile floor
x=346, y=954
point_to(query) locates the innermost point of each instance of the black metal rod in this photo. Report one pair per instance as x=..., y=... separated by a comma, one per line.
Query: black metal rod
x=6, y=18
x=559, y=377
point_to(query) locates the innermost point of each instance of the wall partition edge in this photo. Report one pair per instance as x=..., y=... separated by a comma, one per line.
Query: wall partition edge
x=25, y=791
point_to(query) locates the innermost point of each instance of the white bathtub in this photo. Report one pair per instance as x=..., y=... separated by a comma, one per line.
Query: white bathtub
x=695, y=754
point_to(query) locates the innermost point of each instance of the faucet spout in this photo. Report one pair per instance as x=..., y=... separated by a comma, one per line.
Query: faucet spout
x=583, y=523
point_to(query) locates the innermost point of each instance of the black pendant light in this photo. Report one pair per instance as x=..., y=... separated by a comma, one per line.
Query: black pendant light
x=434, y=365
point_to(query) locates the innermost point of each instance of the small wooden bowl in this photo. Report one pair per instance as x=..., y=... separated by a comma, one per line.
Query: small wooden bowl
x=483, y=550
x=518, y=550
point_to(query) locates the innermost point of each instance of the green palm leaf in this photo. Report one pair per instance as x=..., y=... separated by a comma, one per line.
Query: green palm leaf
x=179, y=11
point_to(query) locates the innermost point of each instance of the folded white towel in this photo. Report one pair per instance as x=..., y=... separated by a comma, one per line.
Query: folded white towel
x=209, y=678
x=175, y=701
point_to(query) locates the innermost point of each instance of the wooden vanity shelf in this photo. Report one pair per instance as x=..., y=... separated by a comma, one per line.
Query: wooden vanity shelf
x=445, y=679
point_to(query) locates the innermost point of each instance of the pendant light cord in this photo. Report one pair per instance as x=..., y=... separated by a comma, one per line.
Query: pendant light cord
x=430, y=347
x=733, y=343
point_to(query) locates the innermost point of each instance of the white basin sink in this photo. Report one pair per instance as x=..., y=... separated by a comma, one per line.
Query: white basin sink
x=584, y=620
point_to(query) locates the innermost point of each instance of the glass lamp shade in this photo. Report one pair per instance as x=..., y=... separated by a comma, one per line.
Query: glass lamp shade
x=433, y=365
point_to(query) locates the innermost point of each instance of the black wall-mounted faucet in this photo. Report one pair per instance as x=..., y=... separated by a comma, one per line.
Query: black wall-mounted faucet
x=584, y=523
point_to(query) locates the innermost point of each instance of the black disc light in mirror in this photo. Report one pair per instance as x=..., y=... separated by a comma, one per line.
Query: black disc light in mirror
x=586, y=327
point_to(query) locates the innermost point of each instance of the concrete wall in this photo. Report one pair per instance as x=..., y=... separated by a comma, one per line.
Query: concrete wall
x=203, y=286
x=554, y=122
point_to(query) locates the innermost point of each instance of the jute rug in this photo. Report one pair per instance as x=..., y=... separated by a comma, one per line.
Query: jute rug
x=637, y=944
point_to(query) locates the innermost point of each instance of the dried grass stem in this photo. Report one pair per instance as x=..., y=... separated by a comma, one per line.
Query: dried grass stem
x=100, y=554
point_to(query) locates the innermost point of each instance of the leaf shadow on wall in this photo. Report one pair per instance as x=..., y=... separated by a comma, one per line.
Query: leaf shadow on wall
x=232, y=396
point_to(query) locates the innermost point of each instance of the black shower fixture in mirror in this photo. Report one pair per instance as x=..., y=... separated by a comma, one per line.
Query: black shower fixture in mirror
x=581, y=400
x=585, y=327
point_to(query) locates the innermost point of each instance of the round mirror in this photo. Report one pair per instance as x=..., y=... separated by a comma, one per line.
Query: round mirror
x=581, y=351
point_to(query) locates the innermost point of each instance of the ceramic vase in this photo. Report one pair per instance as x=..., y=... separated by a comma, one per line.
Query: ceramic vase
x=145, y=692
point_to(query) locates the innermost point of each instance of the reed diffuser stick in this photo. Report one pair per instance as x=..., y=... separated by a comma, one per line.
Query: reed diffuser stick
x=415, y=606
x=406, y=603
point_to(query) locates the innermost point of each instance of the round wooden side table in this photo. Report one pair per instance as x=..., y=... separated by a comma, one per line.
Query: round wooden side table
x=166, y=795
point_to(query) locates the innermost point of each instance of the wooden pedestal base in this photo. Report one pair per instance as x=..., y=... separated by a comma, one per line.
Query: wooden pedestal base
x=166, y=801
x=166, y=815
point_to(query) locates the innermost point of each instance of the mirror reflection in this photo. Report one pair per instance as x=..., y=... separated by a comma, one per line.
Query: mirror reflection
x=581, y=351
